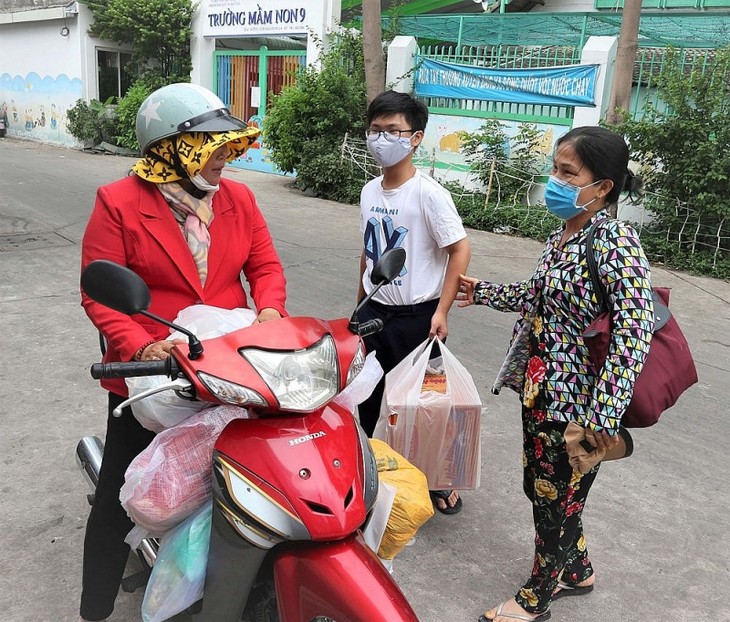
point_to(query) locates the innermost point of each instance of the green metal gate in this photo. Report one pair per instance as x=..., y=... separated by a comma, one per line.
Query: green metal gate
x=245, y=80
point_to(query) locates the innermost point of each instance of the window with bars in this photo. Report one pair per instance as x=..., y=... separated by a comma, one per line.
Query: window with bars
x=113, y=78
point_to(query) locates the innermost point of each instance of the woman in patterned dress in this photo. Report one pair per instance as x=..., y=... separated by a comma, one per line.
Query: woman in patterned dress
x=548, y=363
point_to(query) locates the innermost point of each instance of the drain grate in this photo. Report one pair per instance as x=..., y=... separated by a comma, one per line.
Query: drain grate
x=32, y=241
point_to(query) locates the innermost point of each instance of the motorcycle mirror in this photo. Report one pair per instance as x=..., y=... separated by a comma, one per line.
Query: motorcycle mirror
x=118, y=288
x=389, y=265
x=115, y=286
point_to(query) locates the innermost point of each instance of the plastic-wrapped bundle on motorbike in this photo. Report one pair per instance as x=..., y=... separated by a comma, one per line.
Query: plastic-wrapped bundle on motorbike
x=171, y=479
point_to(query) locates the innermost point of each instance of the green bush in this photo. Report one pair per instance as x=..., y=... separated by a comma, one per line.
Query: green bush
x=91, y=123
x=127, y=115
x=535, y=222
x=684, y=155
x=158, y=31
x=307, y=122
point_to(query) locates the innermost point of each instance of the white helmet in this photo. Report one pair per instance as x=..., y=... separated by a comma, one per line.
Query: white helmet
x=182, y=107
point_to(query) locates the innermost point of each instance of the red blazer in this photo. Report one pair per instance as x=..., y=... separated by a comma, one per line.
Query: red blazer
x=133, y=225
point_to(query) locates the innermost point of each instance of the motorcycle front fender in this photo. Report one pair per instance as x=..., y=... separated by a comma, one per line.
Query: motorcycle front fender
x=343, y=580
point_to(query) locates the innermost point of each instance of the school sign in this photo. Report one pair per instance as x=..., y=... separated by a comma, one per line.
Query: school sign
x=240, y=18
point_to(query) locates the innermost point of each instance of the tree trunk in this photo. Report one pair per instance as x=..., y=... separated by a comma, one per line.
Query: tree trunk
x=372, y=42
x=628, y=44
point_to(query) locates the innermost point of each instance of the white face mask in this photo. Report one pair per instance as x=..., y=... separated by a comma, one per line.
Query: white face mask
x=202, y=184
x=388, y=152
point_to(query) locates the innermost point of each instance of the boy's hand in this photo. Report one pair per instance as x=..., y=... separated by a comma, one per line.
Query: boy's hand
x=439, y=326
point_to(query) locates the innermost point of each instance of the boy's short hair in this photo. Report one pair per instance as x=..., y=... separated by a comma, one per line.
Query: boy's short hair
x=391, y=102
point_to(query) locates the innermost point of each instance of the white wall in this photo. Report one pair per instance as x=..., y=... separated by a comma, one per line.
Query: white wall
x=43, y=72
x=40, y=77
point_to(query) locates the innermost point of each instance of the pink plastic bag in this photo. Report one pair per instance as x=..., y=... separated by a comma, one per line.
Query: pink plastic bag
x=170, y=479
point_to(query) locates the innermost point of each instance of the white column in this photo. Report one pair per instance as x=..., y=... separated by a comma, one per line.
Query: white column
x=201, y=52
x=599, y=51
x=401, y=61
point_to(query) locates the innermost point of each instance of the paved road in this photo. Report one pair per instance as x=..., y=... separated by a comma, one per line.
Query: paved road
x=657, y=523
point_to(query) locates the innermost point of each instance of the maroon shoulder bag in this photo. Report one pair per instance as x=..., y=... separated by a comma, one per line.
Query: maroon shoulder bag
x=669, y=369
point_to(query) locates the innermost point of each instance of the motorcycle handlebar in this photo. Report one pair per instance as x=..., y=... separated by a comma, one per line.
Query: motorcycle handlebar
x=132, y=369
x=370, y=327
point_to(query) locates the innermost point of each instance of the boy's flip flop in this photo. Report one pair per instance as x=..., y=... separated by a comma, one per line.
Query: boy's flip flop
x=444, y=496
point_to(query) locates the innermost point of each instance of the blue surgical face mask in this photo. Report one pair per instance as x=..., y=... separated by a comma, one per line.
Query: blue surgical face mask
x=561, y=198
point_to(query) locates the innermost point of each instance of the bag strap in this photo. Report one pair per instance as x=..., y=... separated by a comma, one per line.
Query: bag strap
x=593, y=267
x=662, y=314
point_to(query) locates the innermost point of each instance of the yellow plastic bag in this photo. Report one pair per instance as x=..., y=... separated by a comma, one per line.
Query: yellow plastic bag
x=412, y=505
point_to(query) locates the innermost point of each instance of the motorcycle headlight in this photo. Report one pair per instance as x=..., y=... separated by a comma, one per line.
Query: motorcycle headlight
x=357, y=364
x=231, y=392
x=302, y=380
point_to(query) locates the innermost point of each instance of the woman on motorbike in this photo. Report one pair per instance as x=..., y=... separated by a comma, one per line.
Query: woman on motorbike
x=189, y=234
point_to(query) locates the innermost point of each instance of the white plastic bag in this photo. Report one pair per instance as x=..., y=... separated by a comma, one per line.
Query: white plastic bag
x=378, y=521
x=166, y=409
x=362, y=385
x=208, y=322
x=171, y=478
x=436, y=429
x=178, y=576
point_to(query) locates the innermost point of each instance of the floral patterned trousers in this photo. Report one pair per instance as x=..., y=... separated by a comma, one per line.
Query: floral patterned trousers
x=556, y=491
x=557, y=494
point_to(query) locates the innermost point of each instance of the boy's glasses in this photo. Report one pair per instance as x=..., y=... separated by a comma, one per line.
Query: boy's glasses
x=391, y=135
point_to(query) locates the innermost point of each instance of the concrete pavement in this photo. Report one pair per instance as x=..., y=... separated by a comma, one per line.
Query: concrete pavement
x=656, y=523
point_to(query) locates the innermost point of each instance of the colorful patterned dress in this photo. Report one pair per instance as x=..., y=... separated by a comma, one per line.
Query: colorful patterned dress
x=548, y=365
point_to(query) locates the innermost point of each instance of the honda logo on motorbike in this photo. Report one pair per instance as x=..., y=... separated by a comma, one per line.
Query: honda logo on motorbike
x=306, y=438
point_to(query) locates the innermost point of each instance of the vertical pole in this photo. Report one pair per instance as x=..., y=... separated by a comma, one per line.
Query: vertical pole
x=263, y=80
x=628, y=45
x=489, y=184
x=373, y=48
x=215, y=88
x=583, y=30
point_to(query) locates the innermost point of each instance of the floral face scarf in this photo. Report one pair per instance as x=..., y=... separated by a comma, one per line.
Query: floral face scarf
x=184, y=156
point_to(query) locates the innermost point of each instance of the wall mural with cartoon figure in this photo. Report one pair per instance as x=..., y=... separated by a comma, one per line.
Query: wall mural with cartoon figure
x=441, y=145
x=36, y=107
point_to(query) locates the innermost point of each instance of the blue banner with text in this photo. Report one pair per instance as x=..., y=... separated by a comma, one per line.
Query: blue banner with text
x=573, y=85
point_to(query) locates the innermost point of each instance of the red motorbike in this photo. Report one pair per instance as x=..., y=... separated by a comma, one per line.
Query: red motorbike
x=293, y=485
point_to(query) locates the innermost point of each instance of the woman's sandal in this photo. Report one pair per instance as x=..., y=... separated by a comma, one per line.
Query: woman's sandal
x=540, y=617
x=565, y=589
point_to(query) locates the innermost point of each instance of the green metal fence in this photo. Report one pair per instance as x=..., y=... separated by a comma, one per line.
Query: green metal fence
x=503, y=57
x=649, y=64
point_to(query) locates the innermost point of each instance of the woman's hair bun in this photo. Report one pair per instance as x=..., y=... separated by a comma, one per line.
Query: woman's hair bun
x=633, y=185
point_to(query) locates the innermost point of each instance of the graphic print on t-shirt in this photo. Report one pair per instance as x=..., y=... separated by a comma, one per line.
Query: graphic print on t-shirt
x=379, y=239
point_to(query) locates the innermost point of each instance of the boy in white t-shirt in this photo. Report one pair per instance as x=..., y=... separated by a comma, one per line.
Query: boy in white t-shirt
x=406, y=208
